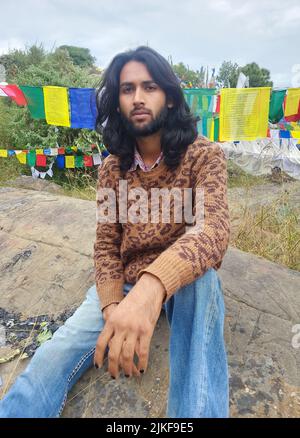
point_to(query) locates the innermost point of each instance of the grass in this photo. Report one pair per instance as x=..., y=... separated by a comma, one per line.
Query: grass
x=75, y=183
x=271, y=231
x=239, y=178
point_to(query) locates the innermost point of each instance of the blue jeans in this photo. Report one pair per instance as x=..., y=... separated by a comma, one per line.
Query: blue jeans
x=198, y=373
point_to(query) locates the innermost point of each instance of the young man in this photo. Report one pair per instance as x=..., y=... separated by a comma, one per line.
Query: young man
x=143, y=261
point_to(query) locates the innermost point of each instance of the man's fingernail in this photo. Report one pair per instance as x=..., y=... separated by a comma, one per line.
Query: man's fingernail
x=142, y=371
x=112, y=377
x=96, y=366
x=126, y=375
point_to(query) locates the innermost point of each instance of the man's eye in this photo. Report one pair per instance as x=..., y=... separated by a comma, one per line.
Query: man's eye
x=126, y=90
x=151, y=87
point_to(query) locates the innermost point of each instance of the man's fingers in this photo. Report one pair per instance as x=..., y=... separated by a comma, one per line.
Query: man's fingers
x=114, y=356
x=101, y=345
x=128, y=349
x=143, y=353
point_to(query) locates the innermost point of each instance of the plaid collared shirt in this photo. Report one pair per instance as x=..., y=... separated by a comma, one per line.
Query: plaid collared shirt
x=138, y=161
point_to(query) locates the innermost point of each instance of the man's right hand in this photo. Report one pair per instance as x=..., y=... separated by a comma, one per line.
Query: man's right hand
x=108, y=310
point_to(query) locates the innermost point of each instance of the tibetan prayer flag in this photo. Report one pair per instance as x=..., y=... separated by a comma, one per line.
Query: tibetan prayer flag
x=88, y=160
x=39, y=151
x=201, y=101
x=295, y=134
x=70, y=162
x=292, y=105
x=14, y=92
x=41, y=160
x=284, y=134
x=56, y=106
x=21, y=156
x=79, y=161
x=61, y=151
x=31, y=158
x=53, y=151
x=3, y=153
x=60, y=161
x=96, y=159
x=276, y=105
x=35, y=101
x=244, y=113
x=83, y=107
x=216, y=129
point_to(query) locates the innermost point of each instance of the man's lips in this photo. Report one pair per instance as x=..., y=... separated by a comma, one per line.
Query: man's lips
x=140, y=113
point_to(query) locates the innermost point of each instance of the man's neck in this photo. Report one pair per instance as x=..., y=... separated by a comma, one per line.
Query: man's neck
x=149, y=148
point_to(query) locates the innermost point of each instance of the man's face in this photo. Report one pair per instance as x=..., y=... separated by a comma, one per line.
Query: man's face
x=142, y=102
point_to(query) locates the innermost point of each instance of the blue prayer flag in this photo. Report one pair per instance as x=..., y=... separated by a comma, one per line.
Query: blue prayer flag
x=83, y=107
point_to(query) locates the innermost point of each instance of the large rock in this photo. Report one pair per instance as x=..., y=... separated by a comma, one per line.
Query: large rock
x=46, y=266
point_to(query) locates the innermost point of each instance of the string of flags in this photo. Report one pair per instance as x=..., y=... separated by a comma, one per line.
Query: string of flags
x=229, y=114
x=76, y=158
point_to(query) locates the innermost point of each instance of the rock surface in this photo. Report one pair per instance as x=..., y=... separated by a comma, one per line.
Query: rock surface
x=46, y=266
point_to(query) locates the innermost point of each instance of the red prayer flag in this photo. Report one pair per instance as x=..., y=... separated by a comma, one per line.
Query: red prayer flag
x=61, y=151
x=41, y=160
x=88, y=160
x=14, y=92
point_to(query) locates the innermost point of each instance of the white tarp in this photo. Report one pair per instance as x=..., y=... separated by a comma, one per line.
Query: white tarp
x=261, y=156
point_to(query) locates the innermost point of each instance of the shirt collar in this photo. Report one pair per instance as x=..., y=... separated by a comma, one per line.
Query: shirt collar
x=138, y=161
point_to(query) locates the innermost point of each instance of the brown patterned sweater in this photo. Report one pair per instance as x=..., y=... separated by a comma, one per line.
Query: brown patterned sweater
x=124, y=251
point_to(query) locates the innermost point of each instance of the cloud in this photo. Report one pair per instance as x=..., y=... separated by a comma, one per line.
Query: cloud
x=195, y=32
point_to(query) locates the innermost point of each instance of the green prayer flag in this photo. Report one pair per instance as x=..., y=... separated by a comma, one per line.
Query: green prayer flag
x=79, y=161
x=276, y=106
x=31, y=158
x=35, y=100
x=200, y=101
x=216, y=129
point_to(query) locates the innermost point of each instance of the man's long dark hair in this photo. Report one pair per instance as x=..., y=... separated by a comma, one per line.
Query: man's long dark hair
x=180, y=128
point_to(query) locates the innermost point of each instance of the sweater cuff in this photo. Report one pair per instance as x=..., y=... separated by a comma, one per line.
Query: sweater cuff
x=110, y=292
x=170, y=272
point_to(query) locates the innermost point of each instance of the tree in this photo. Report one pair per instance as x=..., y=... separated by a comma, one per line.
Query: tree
x=80, y=55
x=35, y=67
x=185, y=75
x=17, y=60
x=229, y=72
x=228, y=75
x=258, y=77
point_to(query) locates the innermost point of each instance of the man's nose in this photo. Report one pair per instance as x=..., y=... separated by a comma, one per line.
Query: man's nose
x=138, y=97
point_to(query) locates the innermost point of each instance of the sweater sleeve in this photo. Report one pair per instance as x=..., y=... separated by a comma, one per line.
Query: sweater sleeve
x=193, y=253
x=109, y=270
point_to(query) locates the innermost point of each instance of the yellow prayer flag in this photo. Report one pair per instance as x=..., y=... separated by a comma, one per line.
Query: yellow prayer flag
x=3, y=153
x=244, y=113
x=295, y=134
x=56, y=105
x=292, y=102
x=70, y=161
x=22, y=157
x=295, y=126
x=212, y=130
x=39, y=151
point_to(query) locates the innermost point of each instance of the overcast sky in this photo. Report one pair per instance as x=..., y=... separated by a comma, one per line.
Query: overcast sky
x=196, y=32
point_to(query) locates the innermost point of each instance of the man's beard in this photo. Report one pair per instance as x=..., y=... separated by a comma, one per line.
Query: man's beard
x=150, y=128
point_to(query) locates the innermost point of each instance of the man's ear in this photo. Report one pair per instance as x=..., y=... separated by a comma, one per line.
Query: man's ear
x=118, y=109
